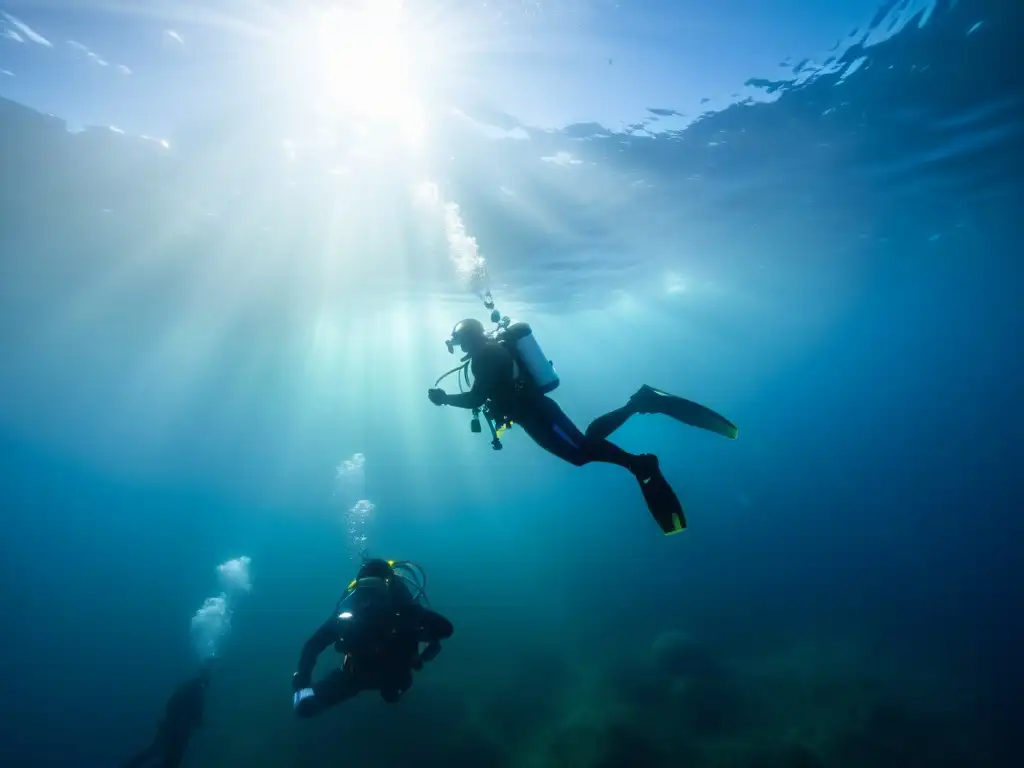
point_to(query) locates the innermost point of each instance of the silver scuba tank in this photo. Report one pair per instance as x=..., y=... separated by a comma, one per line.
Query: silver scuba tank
x=530, y=360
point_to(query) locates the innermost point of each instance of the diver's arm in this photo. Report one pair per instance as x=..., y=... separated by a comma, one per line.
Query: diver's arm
x=433, y=628
x=468, y=400
x=317, y=644
x=430, y=652
x=486, y=372
x=475, y=398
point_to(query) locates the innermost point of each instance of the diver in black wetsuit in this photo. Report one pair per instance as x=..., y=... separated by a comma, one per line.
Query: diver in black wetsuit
x=505, y=386
x=183, y=715
x=378, y=625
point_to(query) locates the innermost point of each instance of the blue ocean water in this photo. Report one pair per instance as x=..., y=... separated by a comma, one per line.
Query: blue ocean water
x=232, y=283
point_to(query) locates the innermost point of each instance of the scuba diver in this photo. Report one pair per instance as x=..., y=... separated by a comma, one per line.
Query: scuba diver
x=183, y=715
x=511, y=381
x=378, y=625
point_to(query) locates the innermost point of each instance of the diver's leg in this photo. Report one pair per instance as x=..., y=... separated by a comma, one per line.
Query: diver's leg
x=338, y=686
x=553, y=431
x=604, y=425
x=541, y=431
x=174, y=751
x=648, y=399
x=394, y=685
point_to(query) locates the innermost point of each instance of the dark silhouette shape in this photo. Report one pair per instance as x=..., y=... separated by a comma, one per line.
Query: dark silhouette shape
x=378, y=626
x=182, y=716
x=506, y=389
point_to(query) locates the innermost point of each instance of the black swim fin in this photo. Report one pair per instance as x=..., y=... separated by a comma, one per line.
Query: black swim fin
x=661, y=499
x=650, y=400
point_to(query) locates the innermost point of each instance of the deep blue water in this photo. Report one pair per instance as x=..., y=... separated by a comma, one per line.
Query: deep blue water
x=191, y=347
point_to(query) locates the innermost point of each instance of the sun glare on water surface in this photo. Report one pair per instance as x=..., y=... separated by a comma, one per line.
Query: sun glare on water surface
x=364, y=61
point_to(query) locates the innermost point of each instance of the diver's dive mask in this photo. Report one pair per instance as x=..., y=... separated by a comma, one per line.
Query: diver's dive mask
x=475, y=327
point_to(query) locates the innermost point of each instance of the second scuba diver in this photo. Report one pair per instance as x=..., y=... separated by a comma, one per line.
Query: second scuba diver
x=511, y=381
x=183, y=715
x=378, y=625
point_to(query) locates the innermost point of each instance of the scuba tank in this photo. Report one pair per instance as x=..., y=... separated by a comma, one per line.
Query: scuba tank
x=532, y=366
x=368, y=606
x=364, y=594
x=408, y=584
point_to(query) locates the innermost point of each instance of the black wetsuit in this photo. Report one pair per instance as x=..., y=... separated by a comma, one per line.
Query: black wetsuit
x=184, y=713
x=381, y=652
x=538, y=415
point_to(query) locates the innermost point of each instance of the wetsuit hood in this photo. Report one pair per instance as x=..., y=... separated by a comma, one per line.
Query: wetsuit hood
x=377, y=569
x=467, y=334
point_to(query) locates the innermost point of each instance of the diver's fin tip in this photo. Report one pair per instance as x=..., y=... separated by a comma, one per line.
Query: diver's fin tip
x=649, y=399
x=678, y=524
x=663, y=503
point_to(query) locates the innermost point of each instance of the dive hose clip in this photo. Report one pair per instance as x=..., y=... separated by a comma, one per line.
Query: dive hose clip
x=474, y=427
